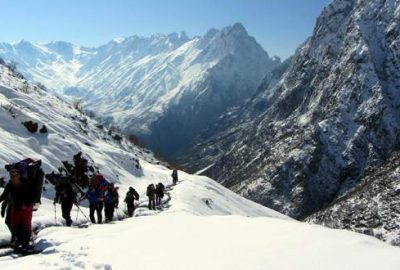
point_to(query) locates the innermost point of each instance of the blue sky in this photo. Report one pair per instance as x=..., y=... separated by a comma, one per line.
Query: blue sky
x=278, y=25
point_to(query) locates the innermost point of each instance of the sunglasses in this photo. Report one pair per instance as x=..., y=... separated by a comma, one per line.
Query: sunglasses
x=14, y=173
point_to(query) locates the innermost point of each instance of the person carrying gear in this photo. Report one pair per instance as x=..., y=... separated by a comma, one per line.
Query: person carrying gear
x=130, y=198
x=95, y=198
x=111, y=200
x=20, y=192
x=66, y=196
x=159, y=193
x=174, y=177
x=151, y=194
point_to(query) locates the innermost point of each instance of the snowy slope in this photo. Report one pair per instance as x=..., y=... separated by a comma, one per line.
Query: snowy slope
x=68, y=132
x=189, y=234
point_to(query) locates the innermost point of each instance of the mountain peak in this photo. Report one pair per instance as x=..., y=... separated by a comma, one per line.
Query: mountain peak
x=180, y=37
x=119, y=40
x=236, y=29
x=239, y=27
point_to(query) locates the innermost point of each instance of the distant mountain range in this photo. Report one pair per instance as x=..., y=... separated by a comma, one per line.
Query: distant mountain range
x=164, y=88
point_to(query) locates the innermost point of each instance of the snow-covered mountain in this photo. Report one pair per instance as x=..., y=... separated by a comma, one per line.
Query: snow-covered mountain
x=300, y=145
x=202, y=225
x=36, y=124
x=164, y=88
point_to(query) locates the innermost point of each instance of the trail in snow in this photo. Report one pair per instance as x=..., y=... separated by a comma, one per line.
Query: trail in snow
x=204, y=226
x=6, y=251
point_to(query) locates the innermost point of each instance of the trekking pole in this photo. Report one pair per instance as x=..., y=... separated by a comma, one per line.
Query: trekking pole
x=55, y=214
x=123, y=214
x=77, y=214
x=80, y=210
x=117, y=213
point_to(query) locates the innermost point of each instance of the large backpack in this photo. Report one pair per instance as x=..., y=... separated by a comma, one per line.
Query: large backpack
x=100, y=182
x=160, y=189
x=32, y=172
x=151, y=190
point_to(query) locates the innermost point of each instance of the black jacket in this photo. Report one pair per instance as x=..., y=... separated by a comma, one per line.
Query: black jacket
x=20, y=196
x=131, y=196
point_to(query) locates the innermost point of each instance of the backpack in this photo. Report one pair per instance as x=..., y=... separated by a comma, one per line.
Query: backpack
x=129, y=197
x=150, y=190
x=100, y=182
x=160, y=189
x=31, y=172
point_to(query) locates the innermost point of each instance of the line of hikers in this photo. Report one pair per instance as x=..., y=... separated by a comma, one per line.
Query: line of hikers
x=156, y=193
x=21, y=196
x=102, y=194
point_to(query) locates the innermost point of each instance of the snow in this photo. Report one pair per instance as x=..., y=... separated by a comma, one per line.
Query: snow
x=199, y=172
x=202, y=225
x=177, y=239
x=137, y=81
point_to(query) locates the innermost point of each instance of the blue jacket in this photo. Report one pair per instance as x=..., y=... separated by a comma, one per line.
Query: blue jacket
x=94, y=196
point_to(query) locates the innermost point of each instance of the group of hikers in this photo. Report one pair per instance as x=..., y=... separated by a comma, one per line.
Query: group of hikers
x=22, y=193
x=155, y=193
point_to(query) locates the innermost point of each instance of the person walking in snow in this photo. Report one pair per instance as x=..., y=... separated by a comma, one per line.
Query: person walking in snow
x=66, y=196
x=20, y=194
x=151, y=194
x=174, y=176
x=95, y=198
x=111, y=200
x=130, y=198
x=159, y=193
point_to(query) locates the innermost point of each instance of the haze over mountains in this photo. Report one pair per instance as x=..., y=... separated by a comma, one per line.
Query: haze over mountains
x=164, y=88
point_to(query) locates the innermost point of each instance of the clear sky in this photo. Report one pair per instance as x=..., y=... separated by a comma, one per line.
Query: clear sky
x=278, y=25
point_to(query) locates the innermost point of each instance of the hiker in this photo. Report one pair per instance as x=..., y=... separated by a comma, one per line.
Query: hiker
x=95, y=198
x=130, y=198
x=100, y=185
x=67, y=197
x=151, y=193
x=174, y=177
x=22, y=197
x=110, y=202
x=5, y=197
x=159, y=193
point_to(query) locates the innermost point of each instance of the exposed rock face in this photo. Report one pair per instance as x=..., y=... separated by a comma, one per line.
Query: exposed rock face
x=335, y=112
x=373, y=207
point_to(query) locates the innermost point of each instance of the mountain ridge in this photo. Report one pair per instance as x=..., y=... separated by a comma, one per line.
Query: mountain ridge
x=145, y=84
